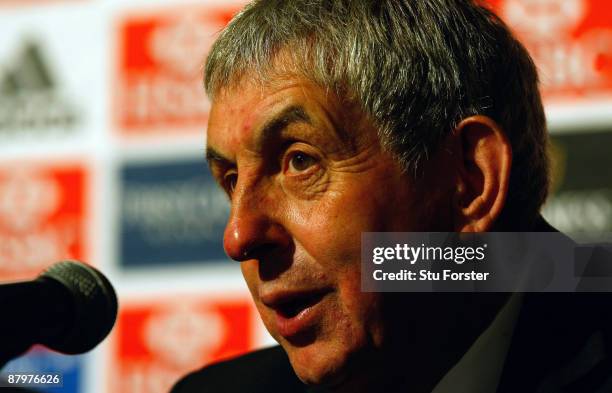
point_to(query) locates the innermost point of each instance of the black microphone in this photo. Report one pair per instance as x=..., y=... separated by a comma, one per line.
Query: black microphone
x=70, y=308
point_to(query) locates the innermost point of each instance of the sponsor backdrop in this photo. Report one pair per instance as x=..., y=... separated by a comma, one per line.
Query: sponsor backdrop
x=102, y=132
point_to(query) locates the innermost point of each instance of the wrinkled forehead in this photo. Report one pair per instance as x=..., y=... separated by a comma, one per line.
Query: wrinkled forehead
x=251, y=106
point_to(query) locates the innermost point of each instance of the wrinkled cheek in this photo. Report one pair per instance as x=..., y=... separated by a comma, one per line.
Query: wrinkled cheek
x=354, y=333
x=363, y=310
x=348, y=320
x=249, y=272
x=267, y=317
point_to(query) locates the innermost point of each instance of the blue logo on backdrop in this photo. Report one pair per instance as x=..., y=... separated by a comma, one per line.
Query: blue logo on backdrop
x=171, y=212
x=42, y=361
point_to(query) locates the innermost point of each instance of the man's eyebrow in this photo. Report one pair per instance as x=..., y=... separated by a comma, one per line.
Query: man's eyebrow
x=214, y=156
x=280, y=121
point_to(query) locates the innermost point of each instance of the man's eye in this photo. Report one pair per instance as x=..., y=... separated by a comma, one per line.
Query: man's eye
x=230, y=181
x=300, y=162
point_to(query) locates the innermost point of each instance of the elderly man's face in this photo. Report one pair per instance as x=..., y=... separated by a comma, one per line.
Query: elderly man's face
x=306, y=175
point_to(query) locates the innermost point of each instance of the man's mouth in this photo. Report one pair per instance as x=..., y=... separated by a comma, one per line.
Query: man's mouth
x=295, y=311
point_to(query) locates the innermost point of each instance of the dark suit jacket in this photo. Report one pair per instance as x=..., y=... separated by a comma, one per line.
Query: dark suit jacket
x=562, y=343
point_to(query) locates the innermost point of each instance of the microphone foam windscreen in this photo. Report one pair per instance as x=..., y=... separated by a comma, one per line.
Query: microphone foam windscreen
x=95, y=306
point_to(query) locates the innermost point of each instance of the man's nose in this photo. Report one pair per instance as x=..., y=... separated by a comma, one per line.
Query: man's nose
x=251, y=230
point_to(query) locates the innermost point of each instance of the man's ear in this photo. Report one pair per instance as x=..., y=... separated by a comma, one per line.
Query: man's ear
x=483, y=158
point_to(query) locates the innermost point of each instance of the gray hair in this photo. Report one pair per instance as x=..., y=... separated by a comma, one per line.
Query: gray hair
x=416, y=68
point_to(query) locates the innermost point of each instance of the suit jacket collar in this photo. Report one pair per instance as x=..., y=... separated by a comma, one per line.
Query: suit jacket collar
x=560, y=342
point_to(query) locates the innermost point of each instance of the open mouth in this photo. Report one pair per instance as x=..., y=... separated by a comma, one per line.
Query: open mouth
x=296, y=311
x=293, y=306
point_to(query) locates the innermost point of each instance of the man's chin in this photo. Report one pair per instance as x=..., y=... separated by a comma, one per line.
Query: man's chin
x=318, y=366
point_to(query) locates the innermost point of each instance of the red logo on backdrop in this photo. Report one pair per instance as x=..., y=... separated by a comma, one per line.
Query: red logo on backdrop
x=42, y=215
x=570, y=41
x=157, y=343
x=160, y=75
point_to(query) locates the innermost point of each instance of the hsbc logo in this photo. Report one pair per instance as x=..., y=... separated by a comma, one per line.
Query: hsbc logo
x=42, y=217
x=178, y=43
x=159, y=78
x=159, y=340
x=31, y=101
x=181, y=335
x=26, y=198
x=570, y=41
x=546, y=19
